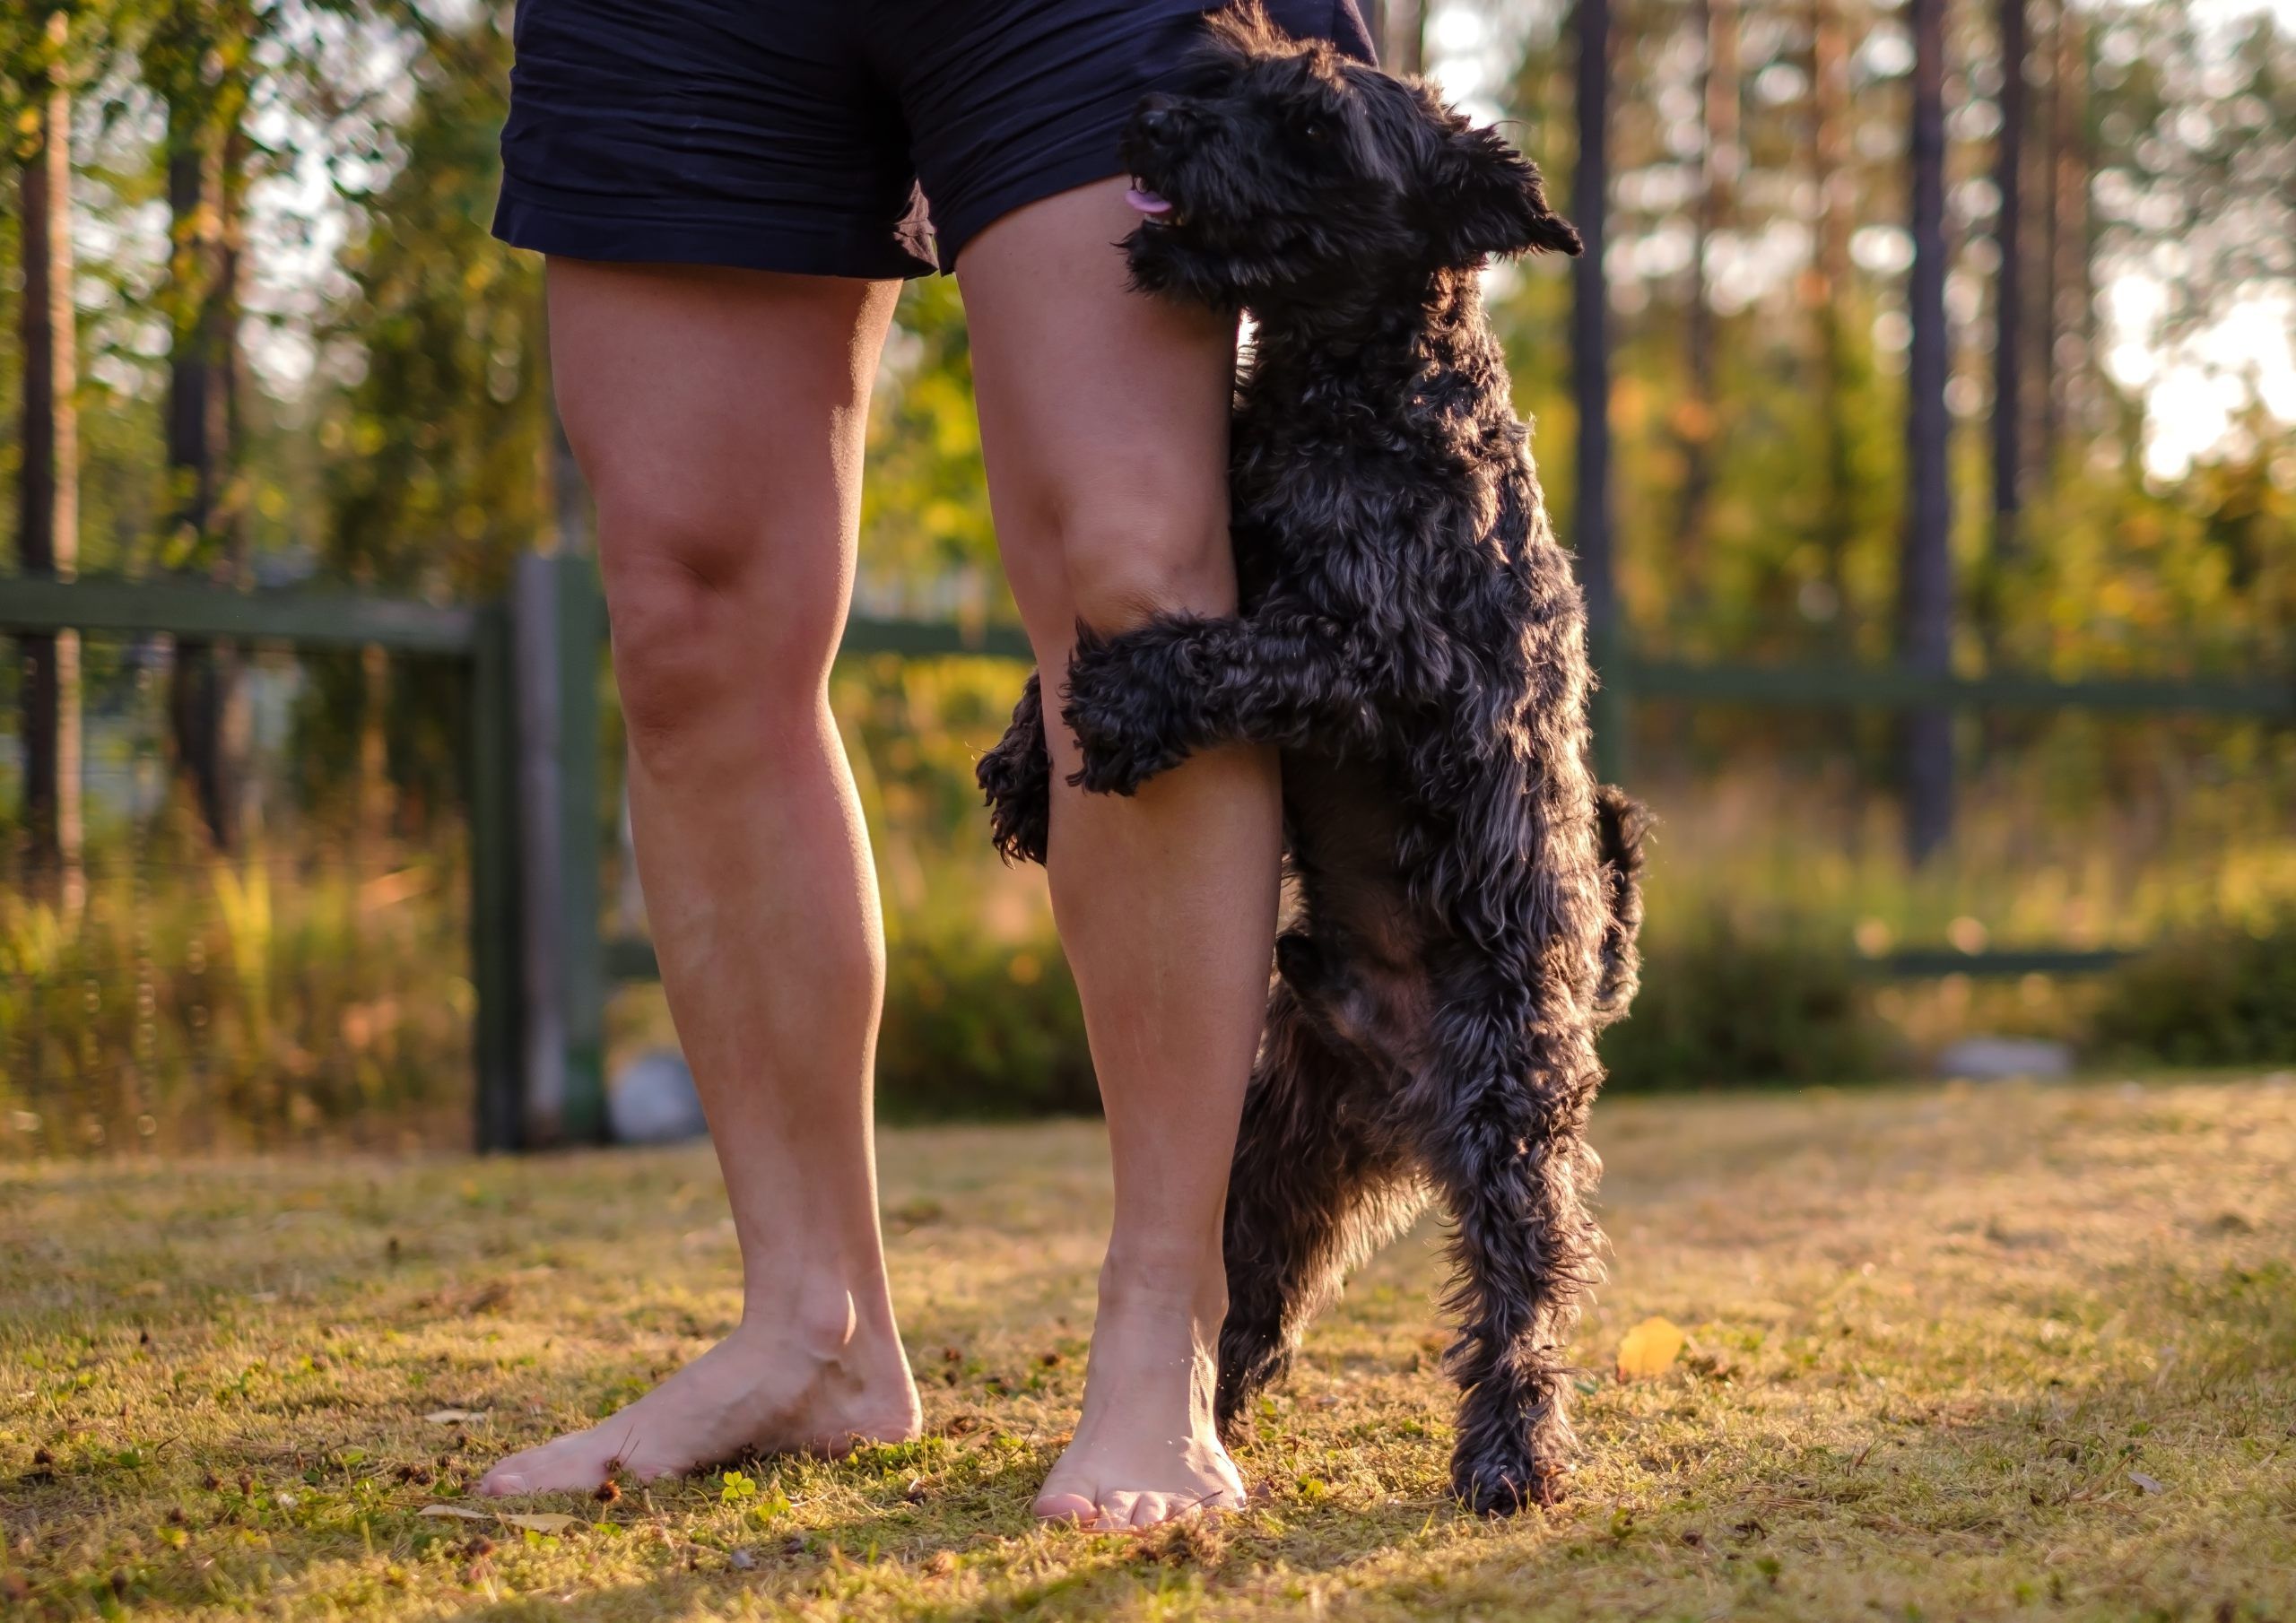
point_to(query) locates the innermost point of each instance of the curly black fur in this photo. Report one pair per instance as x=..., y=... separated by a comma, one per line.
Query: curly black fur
x=1412, y=641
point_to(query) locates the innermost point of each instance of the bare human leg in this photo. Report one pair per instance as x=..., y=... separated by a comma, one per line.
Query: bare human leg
x=1104, y=419
x=718, y=416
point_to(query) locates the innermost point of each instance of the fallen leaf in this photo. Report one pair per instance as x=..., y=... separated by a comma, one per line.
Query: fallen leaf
x=2149, y=1484
x=463, y=1510
x=544, y=1521
x=1649, y=1349
x=454, y=1417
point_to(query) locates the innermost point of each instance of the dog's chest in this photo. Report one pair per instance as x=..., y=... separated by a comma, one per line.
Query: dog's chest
x=1357, y=522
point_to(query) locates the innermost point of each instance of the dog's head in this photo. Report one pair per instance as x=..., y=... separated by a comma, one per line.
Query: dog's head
x=1280, y=169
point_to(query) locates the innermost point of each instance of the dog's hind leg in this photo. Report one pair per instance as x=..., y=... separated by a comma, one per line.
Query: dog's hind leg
x=1016, y=775
x=1507, y=1155
x=1315, y=1188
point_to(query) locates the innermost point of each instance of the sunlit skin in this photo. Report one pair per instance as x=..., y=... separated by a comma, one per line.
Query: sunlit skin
x=718, y=416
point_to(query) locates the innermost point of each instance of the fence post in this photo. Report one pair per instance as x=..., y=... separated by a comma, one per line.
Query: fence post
x=581, y=636
x=494, y=912
x=557, y=620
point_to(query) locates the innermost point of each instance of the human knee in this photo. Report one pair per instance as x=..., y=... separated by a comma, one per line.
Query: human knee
x=701, y=646
x=1129, y=558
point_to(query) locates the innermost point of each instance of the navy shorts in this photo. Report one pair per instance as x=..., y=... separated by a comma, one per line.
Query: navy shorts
x=829, y=137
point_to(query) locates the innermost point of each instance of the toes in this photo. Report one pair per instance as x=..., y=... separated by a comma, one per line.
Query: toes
x=1071, y=1508
x=1151, y=1508
x=1116, y=1509
x=553, y=1468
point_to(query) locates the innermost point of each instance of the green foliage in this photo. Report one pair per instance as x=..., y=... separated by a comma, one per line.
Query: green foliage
x=928, y=544
x=418, y=460
x=199, y=1003
x=981, y=1016
x=975, y=1026
x=2225, y=996
x=438, y=452
x=1720, y=1006
x=2117, y=574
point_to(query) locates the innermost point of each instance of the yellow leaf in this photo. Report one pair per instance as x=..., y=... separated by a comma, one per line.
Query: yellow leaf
x=454, y=1417
x=454, y=1510
x=546, y=1522
x=1649, y=1349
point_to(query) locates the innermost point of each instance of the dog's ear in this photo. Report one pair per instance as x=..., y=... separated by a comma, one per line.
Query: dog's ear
x=1484, y=198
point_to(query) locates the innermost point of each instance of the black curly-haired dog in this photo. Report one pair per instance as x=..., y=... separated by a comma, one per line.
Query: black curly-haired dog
x=1412, y=639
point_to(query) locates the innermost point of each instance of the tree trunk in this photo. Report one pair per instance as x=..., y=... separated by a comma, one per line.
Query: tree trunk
x=1399, y=29
x=207, y=706
x=2008, y=300
x=1590, y=361
x=1696, y=421
x=48, y=531
x=2067, y=298
x=1925, y=580
x=1827, y=289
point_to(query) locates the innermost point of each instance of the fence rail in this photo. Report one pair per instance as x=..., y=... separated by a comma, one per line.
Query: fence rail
x=1869, y=688
x=311, y=620
x=540, y=966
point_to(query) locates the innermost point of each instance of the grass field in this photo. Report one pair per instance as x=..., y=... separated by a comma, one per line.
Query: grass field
x=1954, y=1353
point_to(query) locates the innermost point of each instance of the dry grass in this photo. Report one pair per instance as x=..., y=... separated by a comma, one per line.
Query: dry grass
x=1954, y=1354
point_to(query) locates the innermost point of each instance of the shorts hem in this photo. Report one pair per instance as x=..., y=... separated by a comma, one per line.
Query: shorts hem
x=635, y=238
x=1079, y=163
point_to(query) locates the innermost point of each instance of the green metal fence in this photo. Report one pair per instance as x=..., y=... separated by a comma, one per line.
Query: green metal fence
x=541, y=966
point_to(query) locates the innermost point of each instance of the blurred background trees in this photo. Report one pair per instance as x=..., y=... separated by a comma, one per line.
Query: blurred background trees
x=1949, y=331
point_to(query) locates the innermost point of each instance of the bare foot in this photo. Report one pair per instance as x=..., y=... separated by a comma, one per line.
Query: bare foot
x=770, y=1387
x=1145, y=1450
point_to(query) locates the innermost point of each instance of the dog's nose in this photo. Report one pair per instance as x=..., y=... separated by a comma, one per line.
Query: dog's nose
x=1157, y=113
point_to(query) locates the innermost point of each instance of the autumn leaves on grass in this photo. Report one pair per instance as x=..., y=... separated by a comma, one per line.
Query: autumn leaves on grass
x=1649, y=1349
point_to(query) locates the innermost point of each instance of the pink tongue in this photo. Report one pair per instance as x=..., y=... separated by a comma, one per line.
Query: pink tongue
x=1147, y=203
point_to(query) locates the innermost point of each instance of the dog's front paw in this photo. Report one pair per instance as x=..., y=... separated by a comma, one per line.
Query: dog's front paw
x=1113, y=763
x=1511, y=1455
x=1503, y=1488
x=1123, y=731
x=1016, y=777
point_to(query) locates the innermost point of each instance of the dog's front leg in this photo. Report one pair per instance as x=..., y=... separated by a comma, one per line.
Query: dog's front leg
x=1016, y=777
x=1318, y=1184
x=1143, y=701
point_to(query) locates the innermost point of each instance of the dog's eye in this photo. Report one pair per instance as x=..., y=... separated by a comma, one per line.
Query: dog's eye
x=1316, y=129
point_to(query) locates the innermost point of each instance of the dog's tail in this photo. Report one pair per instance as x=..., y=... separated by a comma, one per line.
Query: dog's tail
x=1620, y=824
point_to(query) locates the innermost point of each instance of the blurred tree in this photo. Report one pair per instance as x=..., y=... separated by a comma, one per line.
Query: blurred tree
x=47, y=529
x=198, y=60
x=440, y=433
x=2068, y=301
x=1398, y=28
x=2008, y=293
x=928, y=544
x=442, y=459
x=1590, y=351
x=1926, y=581
x=1828, y=290
x=1698, y=420
x=2194, y=113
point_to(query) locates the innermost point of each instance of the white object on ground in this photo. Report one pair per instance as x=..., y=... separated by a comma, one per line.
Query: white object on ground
x=1993, y=1059
x=653, y=1101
